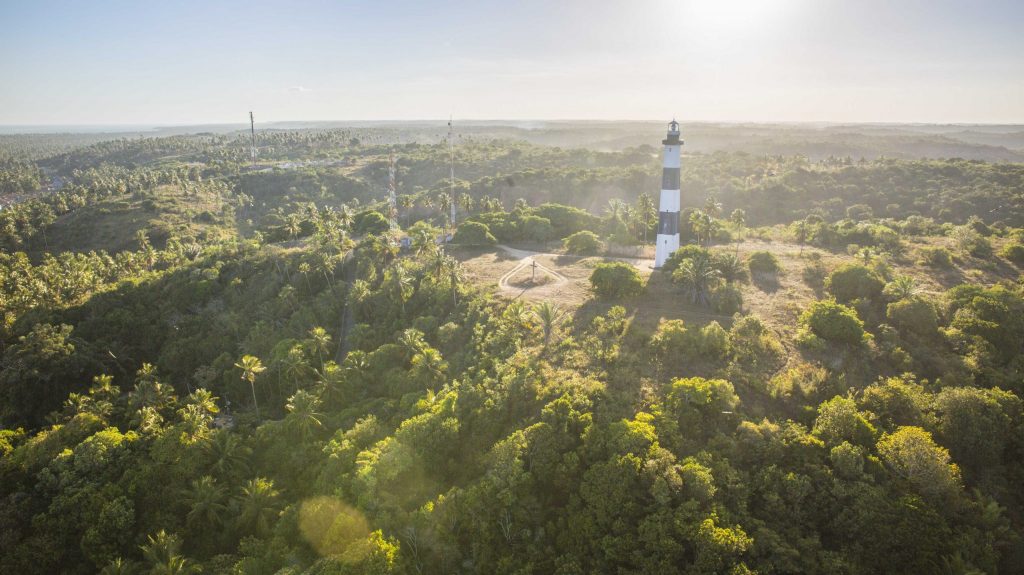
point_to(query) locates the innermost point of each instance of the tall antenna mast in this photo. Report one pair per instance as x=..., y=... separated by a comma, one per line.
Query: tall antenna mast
x=392, y=199
x=252, y=128
x=451, y=168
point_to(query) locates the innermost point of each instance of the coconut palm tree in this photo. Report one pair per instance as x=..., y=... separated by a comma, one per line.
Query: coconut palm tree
x=406, y=202
x=400, y=284
x=257, y=506
x=444, y=201
x=451, y=268
x=712, y=206
x=738, y=218
x=430, y=363
x=120, y=566
x=320, y=341
x=645, y=207
x=303, y=419
x=251, y=366
x=228, y=455
x=206, y=502
x=163, y=553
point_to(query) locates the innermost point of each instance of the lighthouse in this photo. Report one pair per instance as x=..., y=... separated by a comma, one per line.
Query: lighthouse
x=668, y=207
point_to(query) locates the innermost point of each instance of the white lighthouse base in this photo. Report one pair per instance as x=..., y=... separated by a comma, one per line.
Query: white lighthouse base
x=663, y=248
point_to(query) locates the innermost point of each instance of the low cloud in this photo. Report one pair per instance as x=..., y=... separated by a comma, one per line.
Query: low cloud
x=299, y=89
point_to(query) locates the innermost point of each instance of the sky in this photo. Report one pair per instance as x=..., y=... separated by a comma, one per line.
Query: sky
x=195, y=62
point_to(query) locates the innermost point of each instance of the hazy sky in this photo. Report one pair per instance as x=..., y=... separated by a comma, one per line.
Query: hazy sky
x=187, y=62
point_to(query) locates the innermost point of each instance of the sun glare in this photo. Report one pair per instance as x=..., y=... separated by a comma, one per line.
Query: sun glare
x=723, y=16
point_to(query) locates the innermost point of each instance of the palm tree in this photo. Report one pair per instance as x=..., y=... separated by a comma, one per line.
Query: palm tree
x=430, y=362
x=615, y=209
x=229, y=456
x=163, y=553
x=319, y=340
x=412, y=340
x=423, y=241
x=738, y=218
x=401, y=284
x=302, y=418
x=205, y=500
x=902, y=287
x=712, y=206
x=444, y=201
x=645, y=205
x=251, y=366
x=345, y=217
x=294, y=226
x=453, y=269
x=257, y=506
x=549, y=316
x=406, y=202
x=704, y=223
x=120, y=566
x=697, y=276
x=730, y=267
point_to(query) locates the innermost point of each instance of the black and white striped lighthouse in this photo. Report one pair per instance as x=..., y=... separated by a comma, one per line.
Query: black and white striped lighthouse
x=668, y=207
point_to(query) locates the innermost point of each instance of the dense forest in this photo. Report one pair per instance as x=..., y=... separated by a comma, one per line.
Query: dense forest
x=214, y=367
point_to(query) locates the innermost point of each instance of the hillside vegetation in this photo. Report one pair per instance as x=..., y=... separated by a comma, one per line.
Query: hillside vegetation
x=209, y=368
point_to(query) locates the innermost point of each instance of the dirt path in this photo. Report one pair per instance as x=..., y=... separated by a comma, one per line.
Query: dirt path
x=525, y=262
x=639, y=263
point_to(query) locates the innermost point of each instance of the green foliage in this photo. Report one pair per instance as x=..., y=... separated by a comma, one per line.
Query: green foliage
x=686, y=252
x=370, y=222
x=913, y=315
x=839, y=421
x=474, y=234
x=233, y=403
x=763, y=265
x=912, y=455
x=937, y=258
x=583, y=243
x=851, y=282
x=616, y=280
x=833, y=322
x=1014, y=253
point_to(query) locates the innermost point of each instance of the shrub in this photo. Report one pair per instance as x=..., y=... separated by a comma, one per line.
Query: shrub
x=913, y=315
x=582, y=243
x=854, y=281
x=763, y=264
x=730, y=267
x=814, y=272
x=839, y=420
x=833, y=322
x=969, y=240
x=726, y=299
x=370, y=222
x=714, y=342
x=687, y=252
x=937, y=257
x=616, y=280
x=1014, y=253
x=535, y=229
x=474, y=234
x=566, y=220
